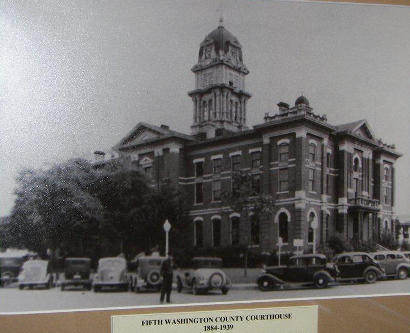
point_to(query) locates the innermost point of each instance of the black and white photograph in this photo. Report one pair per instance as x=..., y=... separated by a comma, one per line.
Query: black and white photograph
x=158, y=153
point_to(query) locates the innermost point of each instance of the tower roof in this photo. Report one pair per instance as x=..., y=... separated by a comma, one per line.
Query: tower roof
x=221, y=37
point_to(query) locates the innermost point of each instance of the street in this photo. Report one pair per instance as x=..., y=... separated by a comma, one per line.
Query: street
x=14, y=300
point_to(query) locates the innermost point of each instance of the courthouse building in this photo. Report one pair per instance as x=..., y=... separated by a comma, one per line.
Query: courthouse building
x=323, y=179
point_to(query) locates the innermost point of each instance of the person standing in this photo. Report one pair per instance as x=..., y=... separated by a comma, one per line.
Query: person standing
x=167, y=276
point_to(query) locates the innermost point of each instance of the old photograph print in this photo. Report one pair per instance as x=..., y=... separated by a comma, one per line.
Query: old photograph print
x=201, y=152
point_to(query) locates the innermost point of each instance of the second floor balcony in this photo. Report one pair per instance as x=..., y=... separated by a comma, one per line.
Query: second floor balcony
x=360, y=202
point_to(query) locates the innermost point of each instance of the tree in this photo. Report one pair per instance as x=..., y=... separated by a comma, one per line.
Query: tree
x=54, y=208
x=246, y=198
x=82, y=210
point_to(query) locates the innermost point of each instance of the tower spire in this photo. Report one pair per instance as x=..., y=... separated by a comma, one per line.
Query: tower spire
x=221, y=21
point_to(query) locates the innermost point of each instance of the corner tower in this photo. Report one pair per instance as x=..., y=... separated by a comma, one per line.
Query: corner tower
x=219, y=97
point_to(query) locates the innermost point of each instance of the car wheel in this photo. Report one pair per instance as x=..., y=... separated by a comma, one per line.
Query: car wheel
x=97, y=289
x=224, y=290
x=154, y=278
x=402, y=273
x=179, y=285
x=265, y=283
x=216, y=280
x=320, y=281
x=21, y=287
x=370, y=276
x=62, y=287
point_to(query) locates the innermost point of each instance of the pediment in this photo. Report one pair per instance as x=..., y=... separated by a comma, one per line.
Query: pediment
x=364, y=131
x=140, y=134
x=145, y=161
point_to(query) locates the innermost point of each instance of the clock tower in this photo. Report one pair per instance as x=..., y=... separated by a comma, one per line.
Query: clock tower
x=219, y=99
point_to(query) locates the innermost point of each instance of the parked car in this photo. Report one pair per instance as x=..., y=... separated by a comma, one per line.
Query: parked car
x=406, y=254
x=306, y=269
x=111, y=272
x=144, y=272
x=77, y=272
x=394, y=263
x=9, y=269
x=206, y=274
x=357, y=266
x=36, y=273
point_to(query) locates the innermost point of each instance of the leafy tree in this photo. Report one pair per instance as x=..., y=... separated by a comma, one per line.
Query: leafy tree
x=246, y=197
x=86, y=211
x=54, y=208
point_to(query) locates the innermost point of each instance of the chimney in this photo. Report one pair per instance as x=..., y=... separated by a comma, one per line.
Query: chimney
x=165, y=126
x=283, y=107
x=99, y=155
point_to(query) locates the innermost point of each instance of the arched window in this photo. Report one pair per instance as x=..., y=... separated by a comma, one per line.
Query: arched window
x=254, y=230
x=235, y=221
x=216, y=231
x=356, y=164
x=386, y=173
x=210, y=110
x=386, y=226
x=283, y=227
x=312, y=217
x=198, y=232
x=230, y=109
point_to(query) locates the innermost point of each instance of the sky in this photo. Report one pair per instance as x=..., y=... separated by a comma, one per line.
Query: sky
x=76, y=76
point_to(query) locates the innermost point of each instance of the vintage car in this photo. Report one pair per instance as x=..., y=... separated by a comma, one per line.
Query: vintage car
x=111, y=272
x=206, y=274
x=406, y=254
x=394, y=263
x=36, y=273
x=9, y=269
x=144, y=273
x=307, y=269
x=77, y=272
x=358, y=266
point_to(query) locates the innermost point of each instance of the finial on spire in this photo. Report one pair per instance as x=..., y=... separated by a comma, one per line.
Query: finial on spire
x=221, y=21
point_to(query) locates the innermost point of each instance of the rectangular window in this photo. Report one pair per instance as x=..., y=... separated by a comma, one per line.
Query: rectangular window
x=386, y=195
x=198, y=193
x=312, y=152
x=216, y=191
x=311, y=180
x=199, y=169
x=217, y=165
x=283, y=180
x=256, y=184
x=327, y=184
x=255, y=159
x=283, y=152
x=328, y=160
x=236, y=162
x=148, y=171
